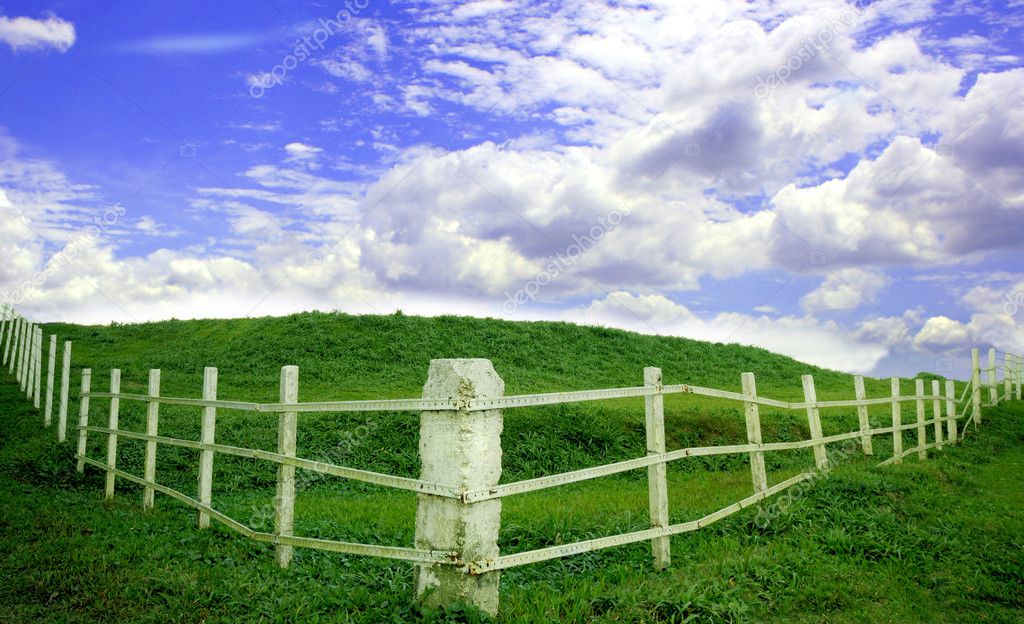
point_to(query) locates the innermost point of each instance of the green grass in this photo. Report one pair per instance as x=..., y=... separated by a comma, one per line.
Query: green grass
x=934, y=541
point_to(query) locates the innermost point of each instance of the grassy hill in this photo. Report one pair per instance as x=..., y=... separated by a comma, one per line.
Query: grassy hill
x=79, y=560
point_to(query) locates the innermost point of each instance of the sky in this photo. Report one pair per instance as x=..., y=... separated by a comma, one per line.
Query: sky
x=842, y=182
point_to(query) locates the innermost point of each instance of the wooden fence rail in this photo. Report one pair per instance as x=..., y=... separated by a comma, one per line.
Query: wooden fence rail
x=456, y=551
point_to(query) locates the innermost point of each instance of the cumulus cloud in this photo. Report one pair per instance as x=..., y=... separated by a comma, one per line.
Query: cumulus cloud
x=845, y=289
x=26, y=33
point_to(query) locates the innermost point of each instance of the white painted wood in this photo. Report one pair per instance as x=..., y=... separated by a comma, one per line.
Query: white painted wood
x=83, y=418
x=65, y=386
x=862, y=415
x=922, y=436
x=1008, y=376
x=37, y=369
x=10, y=351
x=814, y=421
x=207, y=436
x=951, y=411
x=1020, y=374
x=993, y=393
x=115, y=410
x=752, y=411
x=22, y=352
x=27, y=362
x=657, y=474
x=5, y=330
x=284, y=502
x=8, y=337
x=152, y=429
x=937, y=412
x=459, y=449
x=976, y=386
x=897, y=422
x=51, y=371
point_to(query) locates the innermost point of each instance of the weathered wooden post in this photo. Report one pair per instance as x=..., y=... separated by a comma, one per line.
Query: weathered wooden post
x=937, y=411
x=951, y=411
x=461, y=449
x=51, y=371
x=657, y=475
x=862, y=415
x=83, y=418
x=922, y=435
x=897, y=422
x=752, y=412
x=115, y=410
x=152, y=429
x=37, y=369
x=207, y=436
x=814, y=421
x=23, y=355
x=12, y=349
x=284, y=502
x=993, y=393
x=1020, y=374
x=1008, y=376
x=976, y=385
x=65, y=386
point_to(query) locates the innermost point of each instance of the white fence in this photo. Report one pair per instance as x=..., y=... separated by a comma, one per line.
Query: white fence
x=459, y=491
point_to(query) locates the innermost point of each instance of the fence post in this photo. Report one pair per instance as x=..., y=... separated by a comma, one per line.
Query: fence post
x=65, y=383
x=30, y=356
x=38, y=368
x=284, y=502
x=152, y=429
x=83, y=418
x=814, y=420
x=1020, y=374
x=976, y=385
x=657, y=475
x=937, y=411
x=9, y=337
x=22, y=355
x=951, y=411
x=1008, y=375
x=207, y=436
x=461, y=449
x=862, y=415
x=753, y=415
x=8, y=323
x=897, y=421
x=993, y=393
x=922, y=435
x=11, y=348
x=115, y=408
x=51, y=370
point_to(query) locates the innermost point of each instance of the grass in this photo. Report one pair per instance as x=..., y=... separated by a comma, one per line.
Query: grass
x=932, y=541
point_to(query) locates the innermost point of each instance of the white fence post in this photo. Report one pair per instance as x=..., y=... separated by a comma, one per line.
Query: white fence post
x=83, y=418
x=937, y=411
x=922, y=436
x=862, y=416
x=65, y=386
x=897, y=422
x=657, y=475
x=284, y=502
x=1020, y=374
x=11, y=349
x=753, y=415
x=115, y=408
x=37, y=370
x=22, y=355
x=8, y=335
x=814, y=420
x=208, y=436
x=993, y=393
x=8, y=322
x=152, y=429
x=976, y=386
x=461, y=449
x=1008, y=376
x=51, y=370
x=951, y=411
x=29, y=368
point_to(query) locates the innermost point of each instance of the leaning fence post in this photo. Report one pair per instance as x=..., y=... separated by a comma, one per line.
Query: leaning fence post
x=976, y=385
x=65, y=383
x=657, y=475
x=814, y=420
x=207, y=436
x=951, y=411
x=284, y=503
x=83, y=418
x=993, y=393
x=461, y=449
x=937, y=411
x=152, y=429
x=922, y=436
x=897, y=422
x=753, y=415
x=51, y=370
x=115, y=408
x=862, y=415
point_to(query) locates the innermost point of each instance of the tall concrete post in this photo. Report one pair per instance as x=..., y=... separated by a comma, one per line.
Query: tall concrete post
x=461, y=449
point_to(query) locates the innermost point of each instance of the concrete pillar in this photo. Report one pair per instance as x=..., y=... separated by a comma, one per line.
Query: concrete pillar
x=461, y=449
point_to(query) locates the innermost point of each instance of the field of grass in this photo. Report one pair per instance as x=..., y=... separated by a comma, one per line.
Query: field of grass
x=933, y=541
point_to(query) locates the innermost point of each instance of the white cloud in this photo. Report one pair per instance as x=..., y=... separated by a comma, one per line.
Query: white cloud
x=25, y=33
x=846, y=289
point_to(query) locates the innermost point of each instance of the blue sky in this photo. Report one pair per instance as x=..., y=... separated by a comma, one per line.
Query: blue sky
x=842, y=182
